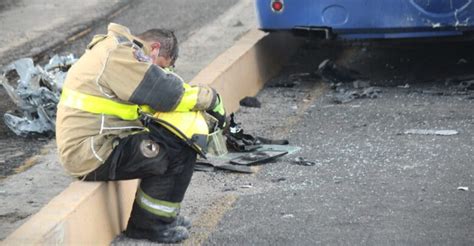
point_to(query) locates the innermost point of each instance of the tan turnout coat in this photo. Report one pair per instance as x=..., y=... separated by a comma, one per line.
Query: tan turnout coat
x=110, y=68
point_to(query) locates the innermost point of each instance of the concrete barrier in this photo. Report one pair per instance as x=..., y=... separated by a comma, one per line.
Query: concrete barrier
x=96, y=212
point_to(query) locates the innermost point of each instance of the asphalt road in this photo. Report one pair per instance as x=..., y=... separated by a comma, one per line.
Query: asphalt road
x=371, y=183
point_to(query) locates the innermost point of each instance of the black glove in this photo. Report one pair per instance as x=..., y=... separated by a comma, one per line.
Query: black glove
x=218, y=112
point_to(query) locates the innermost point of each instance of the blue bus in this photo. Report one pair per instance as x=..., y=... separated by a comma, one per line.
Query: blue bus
x=368, y=19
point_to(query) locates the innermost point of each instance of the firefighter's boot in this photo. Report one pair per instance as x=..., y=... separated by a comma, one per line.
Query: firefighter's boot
x=145, y=225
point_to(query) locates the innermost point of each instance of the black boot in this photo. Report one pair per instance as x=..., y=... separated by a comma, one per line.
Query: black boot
x=183, y=221
x=144, y=225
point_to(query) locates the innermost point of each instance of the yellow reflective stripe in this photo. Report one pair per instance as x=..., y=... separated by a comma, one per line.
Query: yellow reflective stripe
x=189, y=99
x=98, y=105
x=155, y=206
x=147, y=109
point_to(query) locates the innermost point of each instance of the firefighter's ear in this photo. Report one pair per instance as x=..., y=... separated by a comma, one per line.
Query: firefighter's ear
x=155, y=45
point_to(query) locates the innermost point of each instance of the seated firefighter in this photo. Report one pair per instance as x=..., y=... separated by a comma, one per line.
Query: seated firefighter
x=104, y=130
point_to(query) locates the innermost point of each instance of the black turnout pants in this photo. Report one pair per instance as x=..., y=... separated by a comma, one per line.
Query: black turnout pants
x=162, y=161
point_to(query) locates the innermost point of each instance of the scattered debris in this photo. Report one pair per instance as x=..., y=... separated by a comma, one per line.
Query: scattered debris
x=257, y=157
x=463, y=188
x=237, y=140
x=337, y=180
x=342, y=95
x=285, y=84
x=340, y=79
x=303, y=162
x=360, y=84
x=278, y=180
x=203, y=167
x=431, y=132
x=272, y=141
x=462, y=61
x=333, y=73
x=35, y=91
x=229, y=189
x=251, y=102
x=405, y=86
x=287, y=216
x=212, y=164
x=466, y=85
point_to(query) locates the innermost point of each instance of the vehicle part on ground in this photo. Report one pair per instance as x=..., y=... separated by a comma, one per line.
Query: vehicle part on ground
x=35, y=91
x=211, y=165
x=237, y=140
x=257, y=157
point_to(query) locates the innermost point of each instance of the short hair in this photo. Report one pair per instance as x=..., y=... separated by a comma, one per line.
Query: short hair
x=167, y=39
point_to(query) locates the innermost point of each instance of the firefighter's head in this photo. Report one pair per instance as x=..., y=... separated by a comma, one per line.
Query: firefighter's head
x=164, y=46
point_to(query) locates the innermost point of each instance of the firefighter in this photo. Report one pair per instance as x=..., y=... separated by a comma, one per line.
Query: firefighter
x=100, y=136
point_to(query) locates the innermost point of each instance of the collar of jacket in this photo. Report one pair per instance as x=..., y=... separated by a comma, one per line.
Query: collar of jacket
x=117, y=29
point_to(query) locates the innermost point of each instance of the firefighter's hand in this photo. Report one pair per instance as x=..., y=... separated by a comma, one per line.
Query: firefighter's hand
x=218, y=112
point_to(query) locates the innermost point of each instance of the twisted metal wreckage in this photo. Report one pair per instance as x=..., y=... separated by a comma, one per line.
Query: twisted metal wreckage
x=35, y=90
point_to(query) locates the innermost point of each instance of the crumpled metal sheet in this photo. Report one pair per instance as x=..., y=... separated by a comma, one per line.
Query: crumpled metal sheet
x=35, y=91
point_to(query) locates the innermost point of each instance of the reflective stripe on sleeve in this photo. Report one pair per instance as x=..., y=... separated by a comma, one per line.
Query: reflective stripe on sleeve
x=157, y=207
x=189, y=99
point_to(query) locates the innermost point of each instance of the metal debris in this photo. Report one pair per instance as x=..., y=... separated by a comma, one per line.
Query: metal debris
x=466, y=85
x=333, y=73
x=35, y=91
x=463, y=188
x=462, y=61
x=358, y=84
x=276, y=180
x=344, y=95
x=347, y=84
x=431, y=132
x=303, y=162
x=287, y=216
x=405, y=86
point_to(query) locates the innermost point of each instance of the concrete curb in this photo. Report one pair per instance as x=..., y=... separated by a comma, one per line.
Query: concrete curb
x=67, y=34
x=96, y=212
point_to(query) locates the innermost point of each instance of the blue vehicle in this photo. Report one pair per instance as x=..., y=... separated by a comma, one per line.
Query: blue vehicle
x=367, y=19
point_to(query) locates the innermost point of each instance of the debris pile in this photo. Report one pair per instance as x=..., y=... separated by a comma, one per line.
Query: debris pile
x=347, y=84
x=35, y=91
x=244, y=151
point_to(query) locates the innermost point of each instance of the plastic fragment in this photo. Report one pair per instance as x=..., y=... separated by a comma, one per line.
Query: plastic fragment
x=431, y=132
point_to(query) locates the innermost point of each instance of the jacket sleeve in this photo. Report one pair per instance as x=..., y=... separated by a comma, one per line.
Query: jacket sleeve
x=142, y=83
